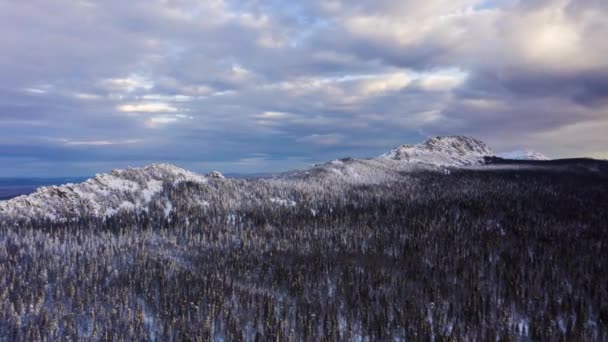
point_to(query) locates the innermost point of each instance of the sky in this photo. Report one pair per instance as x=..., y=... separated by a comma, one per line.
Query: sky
x=249, y=86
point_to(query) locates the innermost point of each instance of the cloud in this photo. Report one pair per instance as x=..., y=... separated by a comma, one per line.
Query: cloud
x=36, y=91
x=565, y=141
x=273, y=115
x=383, y=84
x=69, y=142
x=87, y=96
x=441, y=81
x=220, y=81
x=147, y=107
x=161, y=120
x=322, y=139
x=167, y=98
x=127, y=84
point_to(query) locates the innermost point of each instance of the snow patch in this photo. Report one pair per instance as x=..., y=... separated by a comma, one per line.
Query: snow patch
x=283, y=202
x=168, y=208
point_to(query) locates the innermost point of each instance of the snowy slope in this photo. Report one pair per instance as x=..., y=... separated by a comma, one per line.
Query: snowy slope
x=452, y=151
x=435, y=154
x=523, y=155
x=359, y=171
x=104, y=195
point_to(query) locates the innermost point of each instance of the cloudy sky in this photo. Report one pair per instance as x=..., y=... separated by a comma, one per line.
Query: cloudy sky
x=263, y=85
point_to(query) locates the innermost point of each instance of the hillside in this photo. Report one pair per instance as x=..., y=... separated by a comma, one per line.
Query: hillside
x=463, y=248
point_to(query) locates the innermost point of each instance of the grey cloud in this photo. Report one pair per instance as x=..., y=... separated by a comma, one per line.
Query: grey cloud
x=327, y=64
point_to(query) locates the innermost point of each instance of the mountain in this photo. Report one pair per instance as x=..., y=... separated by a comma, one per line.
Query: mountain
x=523, y=155
x=452, y=151
x=142, y=189
x=104, y=195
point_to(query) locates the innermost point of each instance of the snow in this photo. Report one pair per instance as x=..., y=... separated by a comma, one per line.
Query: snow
x=283, y=202
x=203, y=203
x=336, y=171
x=523, y=326
x=152, y=188
x=114, y=183
x=101, y=196
x=216, y=175
x=443, y=151
x=168, y=208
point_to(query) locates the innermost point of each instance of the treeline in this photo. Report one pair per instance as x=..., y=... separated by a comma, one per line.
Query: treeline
x=508, y=255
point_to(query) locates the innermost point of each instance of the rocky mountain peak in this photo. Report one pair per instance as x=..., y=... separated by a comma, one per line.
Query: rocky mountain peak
x=443, y=151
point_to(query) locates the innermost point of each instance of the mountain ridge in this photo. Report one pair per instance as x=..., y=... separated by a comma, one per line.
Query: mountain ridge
x=101, y=196
x=138, y=189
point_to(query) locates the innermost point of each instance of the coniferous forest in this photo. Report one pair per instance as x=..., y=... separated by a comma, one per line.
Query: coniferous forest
x=488, y=255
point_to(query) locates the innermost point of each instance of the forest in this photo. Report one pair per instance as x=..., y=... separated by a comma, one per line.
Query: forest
x=466, y=255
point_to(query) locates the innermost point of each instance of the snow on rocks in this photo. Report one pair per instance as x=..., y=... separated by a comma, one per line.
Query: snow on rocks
x=216, y=175
x=453, y=151
x=104, y=195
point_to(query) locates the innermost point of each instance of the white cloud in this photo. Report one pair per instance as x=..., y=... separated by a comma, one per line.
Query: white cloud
x=551, y=37
x=163, y=120
x=40, y=89
x=344, y=90
x=485, y=104
x=555, y=35
x=147, y=107
x=128, y=84
x=273, y=115
x=167, y=98
x=36, y=91
x=274, y=119
x=238, y=75
x=394, y=29
x=442, y=80
x=70, y=142
x=383, y=84
x=87, y=96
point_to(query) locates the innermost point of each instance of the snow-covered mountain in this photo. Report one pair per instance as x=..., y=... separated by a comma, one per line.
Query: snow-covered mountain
x=104, y=195
x=452, y=151
x=139, y=189
x=523, y=155
x=357, y=171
